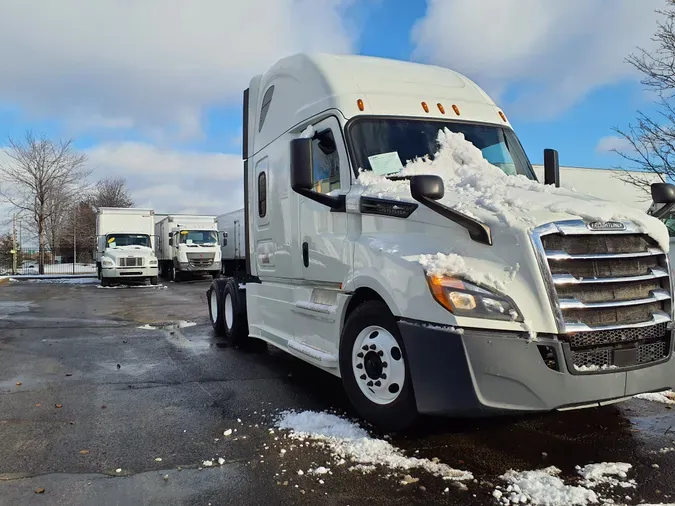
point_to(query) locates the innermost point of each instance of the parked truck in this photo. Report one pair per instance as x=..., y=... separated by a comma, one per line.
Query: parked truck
x=125, y=245
x=397, y=237
x=187, y=245
x=233, y=251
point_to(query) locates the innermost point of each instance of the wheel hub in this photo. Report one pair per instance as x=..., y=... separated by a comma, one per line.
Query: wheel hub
x=373, y=365
x=378, y=365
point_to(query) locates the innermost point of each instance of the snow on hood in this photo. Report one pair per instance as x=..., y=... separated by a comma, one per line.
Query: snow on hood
x=482, y=191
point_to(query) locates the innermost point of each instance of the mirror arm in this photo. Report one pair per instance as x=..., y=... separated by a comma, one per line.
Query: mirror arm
x=664, y=210
x=478, y=231
x=335, y=203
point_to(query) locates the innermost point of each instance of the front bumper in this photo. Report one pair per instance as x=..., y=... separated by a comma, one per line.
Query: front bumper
x=481, y=372
x=129, y=272
x=197, y=267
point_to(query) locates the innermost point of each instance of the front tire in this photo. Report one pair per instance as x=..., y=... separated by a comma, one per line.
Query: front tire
x=154, y=280
x=373, y=368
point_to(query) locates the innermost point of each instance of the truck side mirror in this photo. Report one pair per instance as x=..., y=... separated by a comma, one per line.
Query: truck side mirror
x=551, y=167
x=427, y=186
x=663, y=193
x=301, y=175
x=301, y=164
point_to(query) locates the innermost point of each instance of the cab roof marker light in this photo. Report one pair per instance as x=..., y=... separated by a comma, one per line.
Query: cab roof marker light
x=441, y=108
x=425, y=107
x=501, y=114
x=359, y=103
x=456, y=109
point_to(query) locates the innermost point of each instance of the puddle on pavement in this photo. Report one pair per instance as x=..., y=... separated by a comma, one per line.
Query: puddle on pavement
x=12, y=307
x=180, y=324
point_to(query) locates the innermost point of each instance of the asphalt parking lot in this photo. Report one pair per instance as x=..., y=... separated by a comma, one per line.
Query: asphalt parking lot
x=124, y=396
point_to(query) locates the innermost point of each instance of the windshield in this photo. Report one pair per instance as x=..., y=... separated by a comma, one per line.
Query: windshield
x=128, y=240
x=669, y=221
x=198, y=237
x=412, y=138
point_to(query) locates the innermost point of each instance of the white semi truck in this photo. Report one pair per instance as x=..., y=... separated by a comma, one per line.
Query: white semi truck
x=233, y=249
x=397, y=237
x=187, y=244
x=125, y=245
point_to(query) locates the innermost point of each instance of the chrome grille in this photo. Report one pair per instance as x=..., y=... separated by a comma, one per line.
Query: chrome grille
x=200, y=260
x=610, y=292
x=131, y=262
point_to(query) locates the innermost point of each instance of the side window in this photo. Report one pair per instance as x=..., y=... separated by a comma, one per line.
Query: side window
x=267, y=99
x=326, y=162
x=262, y=194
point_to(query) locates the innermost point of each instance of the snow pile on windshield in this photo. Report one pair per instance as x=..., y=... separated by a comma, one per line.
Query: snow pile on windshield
x=481, y=190
x=349, y=441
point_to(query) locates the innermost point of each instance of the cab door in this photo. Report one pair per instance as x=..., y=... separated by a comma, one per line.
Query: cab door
x=325, y=255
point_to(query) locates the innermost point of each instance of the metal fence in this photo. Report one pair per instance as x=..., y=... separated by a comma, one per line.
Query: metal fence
x=57, y=262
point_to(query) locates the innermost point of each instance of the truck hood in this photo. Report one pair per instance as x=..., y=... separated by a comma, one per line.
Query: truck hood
x=511, y=203
x=125, y=251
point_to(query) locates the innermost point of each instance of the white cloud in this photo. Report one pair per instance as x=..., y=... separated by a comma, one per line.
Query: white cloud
x=554, y=52
x=152, y=65
x=172, y=181
x=612, y=142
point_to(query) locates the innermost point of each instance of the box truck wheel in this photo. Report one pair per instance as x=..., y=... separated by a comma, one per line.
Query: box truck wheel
x=153, y=280
x=374, y=370
x=214, y=295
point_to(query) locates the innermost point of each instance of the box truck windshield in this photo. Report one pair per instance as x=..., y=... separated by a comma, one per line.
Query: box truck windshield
x=376, y=142
x=198, y=237
x=127, y=240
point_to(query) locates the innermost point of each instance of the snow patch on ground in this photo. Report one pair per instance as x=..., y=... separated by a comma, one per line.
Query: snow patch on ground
x=479, y=189
x=348, y=441
x=666, y=397
x=117, y=287
x=604, y=473
x=62, y=281
x=545, y=487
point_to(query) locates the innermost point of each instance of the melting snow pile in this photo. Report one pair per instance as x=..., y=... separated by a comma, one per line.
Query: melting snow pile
x=667, y=397
x=544, y=487
x=481, y=190
x=348, y=441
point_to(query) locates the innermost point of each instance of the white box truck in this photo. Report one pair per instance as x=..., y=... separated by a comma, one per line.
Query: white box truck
x=398, y=238
x=187, y=244
x=125, y=245
x=233, y=250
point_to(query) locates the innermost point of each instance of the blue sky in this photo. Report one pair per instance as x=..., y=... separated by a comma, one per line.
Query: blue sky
x=151, y=90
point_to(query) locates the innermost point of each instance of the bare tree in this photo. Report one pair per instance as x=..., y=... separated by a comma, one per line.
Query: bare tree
x=112, y=192
x=650, y=142
x=40, y=176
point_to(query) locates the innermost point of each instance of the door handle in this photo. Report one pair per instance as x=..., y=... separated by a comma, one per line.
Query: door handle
x=305, y=254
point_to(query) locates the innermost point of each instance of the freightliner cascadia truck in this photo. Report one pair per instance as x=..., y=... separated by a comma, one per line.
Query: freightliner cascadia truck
x=397, y=237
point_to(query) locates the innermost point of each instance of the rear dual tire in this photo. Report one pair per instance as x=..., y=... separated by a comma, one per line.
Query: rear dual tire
x=227, y=312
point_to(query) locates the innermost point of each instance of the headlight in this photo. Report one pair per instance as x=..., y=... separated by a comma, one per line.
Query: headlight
x=153, y=261
x=108, y=263
x=466, y=299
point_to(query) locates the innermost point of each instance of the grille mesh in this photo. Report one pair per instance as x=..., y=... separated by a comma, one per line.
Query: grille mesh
x=604, y=337
x=131, y=262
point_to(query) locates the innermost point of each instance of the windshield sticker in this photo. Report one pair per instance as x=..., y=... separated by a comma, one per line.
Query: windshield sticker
x=111, y=240
x=183, y=232
x=386, y=163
